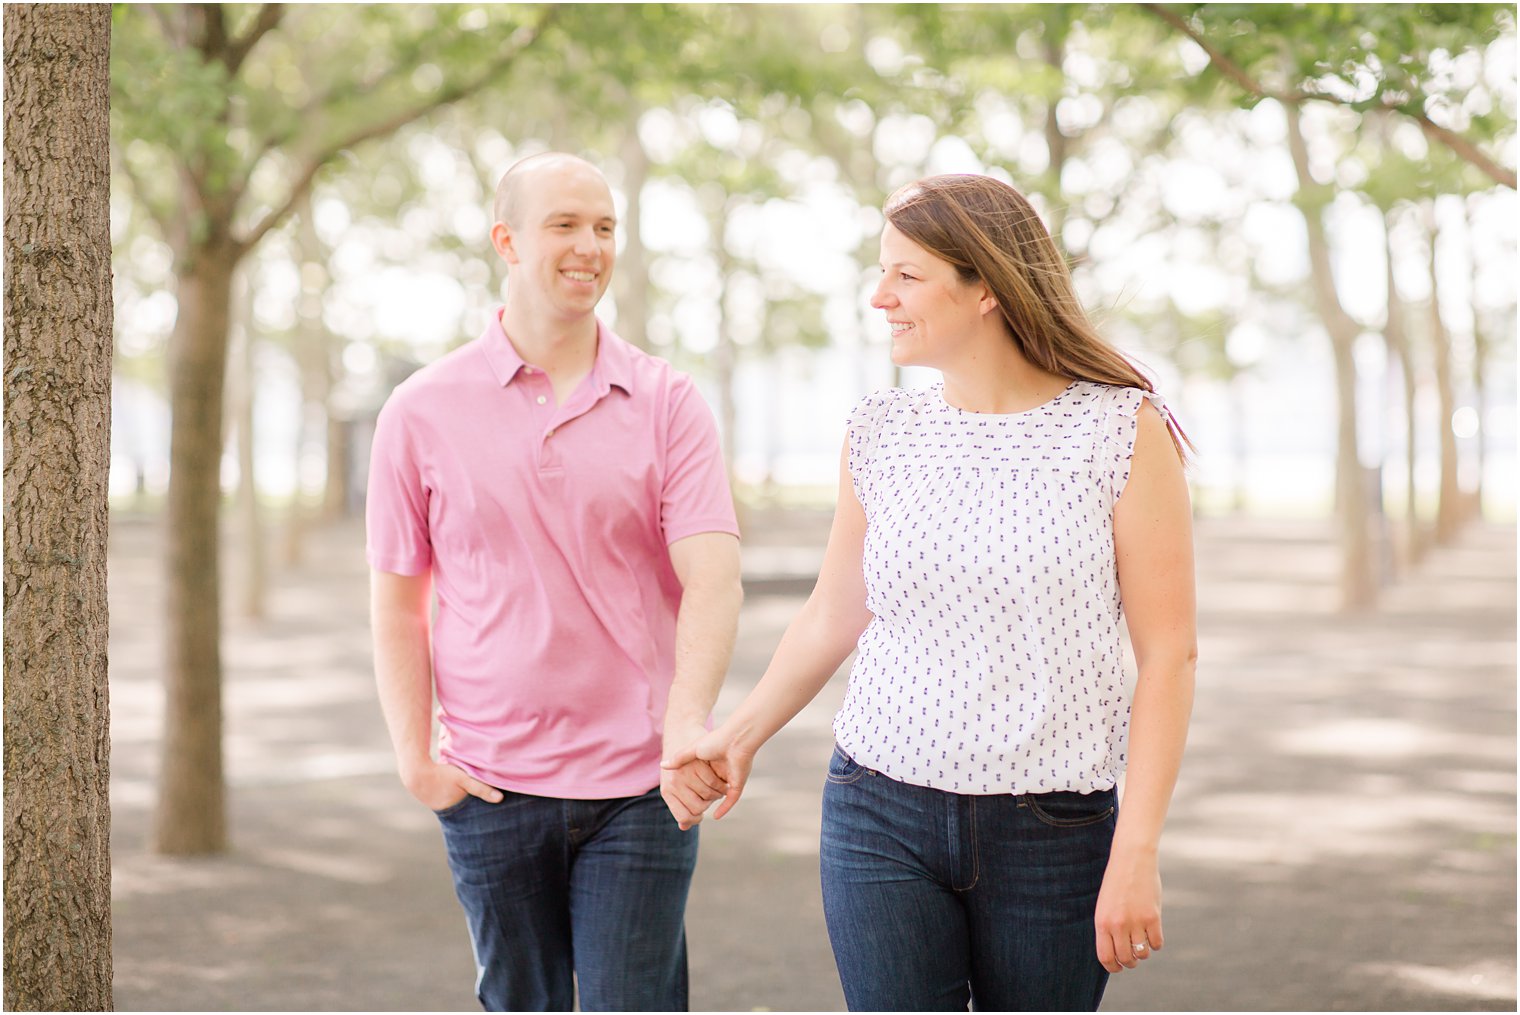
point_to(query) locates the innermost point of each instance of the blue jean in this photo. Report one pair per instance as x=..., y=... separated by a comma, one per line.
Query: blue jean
x=934, y=899
x=565, y=892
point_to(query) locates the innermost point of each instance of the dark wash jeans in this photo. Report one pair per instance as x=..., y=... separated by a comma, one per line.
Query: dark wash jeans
x=593, y=888
x=934, y=899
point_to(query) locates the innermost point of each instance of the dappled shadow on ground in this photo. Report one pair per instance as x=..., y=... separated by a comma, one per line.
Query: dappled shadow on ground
x=1343, y=835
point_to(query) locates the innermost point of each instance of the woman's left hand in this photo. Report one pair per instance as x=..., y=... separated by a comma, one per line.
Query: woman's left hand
x=1128, y=917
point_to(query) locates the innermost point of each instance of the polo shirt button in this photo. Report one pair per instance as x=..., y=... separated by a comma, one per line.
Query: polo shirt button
x=542, y=399
x=549, y=434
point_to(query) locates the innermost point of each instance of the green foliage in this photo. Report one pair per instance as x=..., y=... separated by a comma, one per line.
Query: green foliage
x=222, y=115
x=1413, y=59
x=1369, y=55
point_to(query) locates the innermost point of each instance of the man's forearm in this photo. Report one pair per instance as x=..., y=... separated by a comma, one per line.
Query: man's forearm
x=706, y=625
x=404, y=678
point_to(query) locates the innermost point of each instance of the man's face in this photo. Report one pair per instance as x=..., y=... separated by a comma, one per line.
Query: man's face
x=561, y=249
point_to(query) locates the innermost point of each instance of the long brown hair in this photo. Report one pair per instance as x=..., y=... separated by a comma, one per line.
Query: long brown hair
x=991, y=234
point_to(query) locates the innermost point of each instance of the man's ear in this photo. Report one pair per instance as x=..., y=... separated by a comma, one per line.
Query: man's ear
x=501, y=240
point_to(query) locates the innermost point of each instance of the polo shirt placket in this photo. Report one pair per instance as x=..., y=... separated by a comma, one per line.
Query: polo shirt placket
x=552, y=418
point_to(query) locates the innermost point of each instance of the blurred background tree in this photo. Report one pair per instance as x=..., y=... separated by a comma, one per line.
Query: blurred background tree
x=1232, y=182
x=224, y=118
x=1363, y=59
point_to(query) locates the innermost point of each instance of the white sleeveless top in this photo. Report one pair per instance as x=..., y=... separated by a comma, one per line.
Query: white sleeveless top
x=992, y=663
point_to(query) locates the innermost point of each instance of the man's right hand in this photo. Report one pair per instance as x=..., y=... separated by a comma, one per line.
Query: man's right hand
x=439, y=786
x=729, y=761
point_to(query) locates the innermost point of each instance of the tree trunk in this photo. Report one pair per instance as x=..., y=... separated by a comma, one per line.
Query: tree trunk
x=1481, y=346
x=335, y=493
x=313, y=355
x=210, y=236
x=58, y=320
x=1449, y=501
x=191, y=815
x=726, y=361
x=1057, y=145
x=1358, y=582
x=632, y=275
x=1239, y=453
x=250, y=521
x=1396, y=336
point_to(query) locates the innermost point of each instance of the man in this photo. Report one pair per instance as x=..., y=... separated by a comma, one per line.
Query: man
x=565, y=496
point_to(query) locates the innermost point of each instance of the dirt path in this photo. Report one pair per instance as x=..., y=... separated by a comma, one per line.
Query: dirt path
x=1343, y=836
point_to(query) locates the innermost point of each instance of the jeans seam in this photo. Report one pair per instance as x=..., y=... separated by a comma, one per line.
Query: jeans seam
x=976, y=851
x=1054, y=822
x=846, y=780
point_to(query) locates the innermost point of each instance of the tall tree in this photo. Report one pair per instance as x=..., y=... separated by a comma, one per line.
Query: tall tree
x=1358, y=583
x=230, y=120
x=57, y=454
x=1449, y=496
x=1396, y=335
x=1363, y=56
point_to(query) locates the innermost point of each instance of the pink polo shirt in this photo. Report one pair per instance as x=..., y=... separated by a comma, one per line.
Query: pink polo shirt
x=546, y=528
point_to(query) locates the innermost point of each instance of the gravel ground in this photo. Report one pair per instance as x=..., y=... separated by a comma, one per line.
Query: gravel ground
x=1343, y=835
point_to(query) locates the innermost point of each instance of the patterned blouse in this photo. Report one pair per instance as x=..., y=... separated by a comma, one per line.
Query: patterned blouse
x=992, y=663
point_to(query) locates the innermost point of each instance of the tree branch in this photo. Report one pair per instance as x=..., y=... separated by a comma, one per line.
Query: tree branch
x=269, y=17
x=169, y=227
x=307, y=114
x=1459, y=145
x=1464, y=149
x=519, y=41
x=157, y=10
x=1221, y=63
x=212, y=41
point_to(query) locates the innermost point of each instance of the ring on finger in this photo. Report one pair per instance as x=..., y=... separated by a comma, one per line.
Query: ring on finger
x=1139, y=947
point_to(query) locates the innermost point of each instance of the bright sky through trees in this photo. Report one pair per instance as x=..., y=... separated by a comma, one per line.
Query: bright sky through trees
x=1202, y=227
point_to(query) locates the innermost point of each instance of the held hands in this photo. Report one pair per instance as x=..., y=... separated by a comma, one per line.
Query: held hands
x=1128, y=916
x=438, y=786
x=716, y=753
x=688, y=788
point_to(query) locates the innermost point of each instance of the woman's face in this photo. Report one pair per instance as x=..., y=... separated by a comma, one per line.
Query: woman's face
x=932, y=313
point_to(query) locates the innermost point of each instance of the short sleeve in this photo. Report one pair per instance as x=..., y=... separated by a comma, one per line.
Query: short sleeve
x=1120, y=424
x=396, y=502
x=860, y=436
x=695, y=496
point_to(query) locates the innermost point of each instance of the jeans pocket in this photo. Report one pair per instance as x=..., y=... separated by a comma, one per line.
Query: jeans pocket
x=454, y=808
x=843, y=770
x=1070, y=810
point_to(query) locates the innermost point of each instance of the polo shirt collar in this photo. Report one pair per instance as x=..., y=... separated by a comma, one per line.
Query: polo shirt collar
x=612, y=366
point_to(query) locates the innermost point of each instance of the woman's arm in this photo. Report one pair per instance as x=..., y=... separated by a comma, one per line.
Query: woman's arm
x=818, y=639
x=1153, y=541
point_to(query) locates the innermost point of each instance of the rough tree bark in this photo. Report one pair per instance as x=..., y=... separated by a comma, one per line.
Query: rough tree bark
x=57, y=455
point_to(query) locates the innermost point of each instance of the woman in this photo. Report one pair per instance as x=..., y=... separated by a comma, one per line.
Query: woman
x=986, y=532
